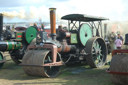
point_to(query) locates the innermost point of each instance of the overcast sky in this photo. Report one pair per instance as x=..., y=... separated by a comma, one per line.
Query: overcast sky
x=33, y=10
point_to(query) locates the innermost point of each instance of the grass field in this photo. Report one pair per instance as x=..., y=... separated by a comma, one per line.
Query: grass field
x=12, y=74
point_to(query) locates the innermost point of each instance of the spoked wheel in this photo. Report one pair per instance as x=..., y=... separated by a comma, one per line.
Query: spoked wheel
x=17, y=55
x=51, y=71
x=34, y=60
x=1, y=60
x=16, y=60
x=97, y=52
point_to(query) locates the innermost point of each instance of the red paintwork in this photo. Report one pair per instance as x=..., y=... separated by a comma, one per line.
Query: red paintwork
x=19, y=36
x=119, y=73
x=53, y=48
x=119, y=51
x=48, y=31
x=115, y=52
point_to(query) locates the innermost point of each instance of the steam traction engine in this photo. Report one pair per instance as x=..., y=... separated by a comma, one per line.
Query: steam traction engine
x=82, y=42
x=16, y=45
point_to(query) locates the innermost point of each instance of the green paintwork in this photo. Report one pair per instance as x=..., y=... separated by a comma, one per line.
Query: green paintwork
x=19, y=34
x=18, y=45
x=73, y=38
x=97, y=52
x=30, y=34
x=85, y=33
x=13, y=45
x=9, y=45
x=1, y=57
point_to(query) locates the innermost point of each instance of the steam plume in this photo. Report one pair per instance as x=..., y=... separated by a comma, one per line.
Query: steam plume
x=12, y=14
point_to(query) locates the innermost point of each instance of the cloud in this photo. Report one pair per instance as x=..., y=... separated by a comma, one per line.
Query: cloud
x=18, y=3
x=12, y=3
x=113, y=9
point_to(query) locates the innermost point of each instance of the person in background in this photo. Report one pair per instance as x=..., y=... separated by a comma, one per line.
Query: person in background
x=111, y=39
x=35, y=25
x=38, y=28
x=13, y=27
x=42, y=27
x=119, y=41
x=119, y=36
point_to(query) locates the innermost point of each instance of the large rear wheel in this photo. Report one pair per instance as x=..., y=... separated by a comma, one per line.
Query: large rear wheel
x=17, y=55
x=97, y=52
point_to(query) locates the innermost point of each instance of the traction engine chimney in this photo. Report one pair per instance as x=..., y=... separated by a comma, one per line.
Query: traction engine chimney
x=53, y=22
x=1, y=24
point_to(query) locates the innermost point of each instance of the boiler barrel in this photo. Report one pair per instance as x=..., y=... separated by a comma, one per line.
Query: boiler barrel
x=67, y=48
x=7, y=46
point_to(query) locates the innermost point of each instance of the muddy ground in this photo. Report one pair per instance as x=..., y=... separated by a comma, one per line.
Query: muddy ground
x=12, y=74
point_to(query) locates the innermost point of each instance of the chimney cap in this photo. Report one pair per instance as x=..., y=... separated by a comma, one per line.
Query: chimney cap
x=52, y=8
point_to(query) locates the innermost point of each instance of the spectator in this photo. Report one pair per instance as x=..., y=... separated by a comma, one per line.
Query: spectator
x=111, y=38
x=35, y=24
x=119, y=36
x=42, y=27
x=119, y=41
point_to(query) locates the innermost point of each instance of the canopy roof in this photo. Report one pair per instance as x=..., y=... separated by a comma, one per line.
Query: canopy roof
x=82, y=17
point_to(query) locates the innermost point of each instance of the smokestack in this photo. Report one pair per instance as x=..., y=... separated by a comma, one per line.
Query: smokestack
x=105, y=31
x=1, y=24
x=53, y=22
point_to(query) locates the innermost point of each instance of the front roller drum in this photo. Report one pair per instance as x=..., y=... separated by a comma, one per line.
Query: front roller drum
x=34, y=60
x=119, y=69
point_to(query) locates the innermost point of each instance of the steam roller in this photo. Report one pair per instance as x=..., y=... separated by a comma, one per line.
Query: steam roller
x=42, y=59
x=119, y=65
x=47, y=53
x=18, y=45
x=15, y=42
x=25, y=37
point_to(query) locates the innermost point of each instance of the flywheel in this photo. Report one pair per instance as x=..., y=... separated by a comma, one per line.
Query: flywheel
x=85, y=33
x=30, y=34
